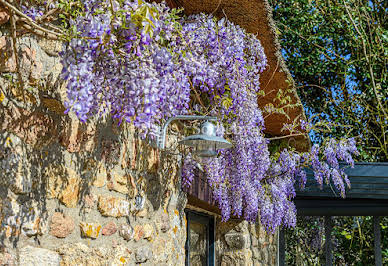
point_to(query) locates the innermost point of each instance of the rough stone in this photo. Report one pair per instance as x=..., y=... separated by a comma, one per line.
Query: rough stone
x=70, y=136
x=51, y=47
x=31, y=64
x=142, y=213
x=61, y=225
x=73, y=253
x=28, y=97
x=90, y=201
x=139, y=232
x=176, y=224
x=159, y=248
x=164, y=222
x=118, y=182
x=237, y=240
x=63, y=183
x=143, y=254
x=121, y=182
x=237, y=257
x=24, y=219
x=148, y=230
x=139, y=204
x=121, y=255
x=55, y=70
x=7, y=57
x=257, y=263
x=133, y=157
x=194, y=237
x=31, y=227
x=126, y=231
x=38, y=256
x=90, y=230
x=153, y=160
x=265, y=255
x=99, y=179
x=54, y=174
x=113, y=206
x=89, y=137
x=81, y=254
x=256, y=254
x=262, y=234
x=22, y=182
x=109, y=229
x=34, y=128
x=11, y=231
x=76, y=135
x=69, y=195
x=17, y=219
x=4, y=15
x=54, y=105
x=271, y=239
x=7, y=259
x=255, y=242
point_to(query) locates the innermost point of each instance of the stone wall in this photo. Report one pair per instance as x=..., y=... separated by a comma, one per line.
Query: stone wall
x=89, y=194
x=238, y=242
x=241, y=243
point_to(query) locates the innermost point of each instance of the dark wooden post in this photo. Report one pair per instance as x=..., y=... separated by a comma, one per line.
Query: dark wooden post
x=282, y=248
x=377, y=240
x=187, y=244
x=328, y=243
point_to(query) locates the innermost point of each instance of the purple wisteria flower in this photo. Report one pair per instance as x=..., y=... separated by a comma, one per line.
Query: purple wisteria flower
x=188, y=171
x=141, y=67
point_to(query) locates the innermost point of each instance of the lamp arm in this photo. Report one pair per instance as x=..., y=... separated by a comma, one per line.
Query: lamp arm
x=162, y=136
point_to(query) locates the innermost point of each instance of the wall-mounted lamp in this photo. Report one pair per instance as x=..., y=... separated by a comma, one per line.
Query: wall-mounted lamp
x=205, y=144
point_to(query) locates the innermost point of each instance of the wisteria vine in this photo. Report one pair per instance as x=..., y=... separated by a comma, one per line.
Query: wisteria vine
x=142, y=63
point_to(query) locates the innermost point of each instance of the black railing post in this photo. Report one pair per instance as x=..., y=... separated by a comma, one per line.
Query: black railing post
x=328, y=243
x=377, y=240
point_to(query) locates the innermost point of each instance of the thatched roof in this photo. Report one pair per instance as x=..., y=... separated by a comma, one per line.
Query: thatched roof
x=255, y=16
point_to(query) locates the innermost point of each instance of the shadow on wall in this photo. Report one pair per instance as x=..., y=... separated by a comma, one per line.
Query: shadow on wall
x=50, y=162
x=69, y=189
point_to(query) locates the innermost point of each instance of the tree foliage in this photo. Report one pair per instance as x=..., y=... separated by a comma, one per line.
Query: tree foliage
x=337, y=53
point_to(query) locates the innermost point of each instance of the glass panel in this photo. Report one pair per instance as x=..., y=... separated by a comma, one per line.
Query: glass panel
x=198, y=244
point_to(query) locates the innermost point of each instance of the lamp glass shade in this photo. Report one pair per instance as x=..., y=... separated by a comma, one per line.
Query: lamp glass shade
x=207, y=143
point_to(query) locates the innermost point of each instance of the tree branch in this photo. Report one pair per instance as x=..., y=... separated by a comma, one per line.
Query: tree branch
x=45, y=16
x=367, y=59
x=28, y=20
x=287, y=136
x=39, y=32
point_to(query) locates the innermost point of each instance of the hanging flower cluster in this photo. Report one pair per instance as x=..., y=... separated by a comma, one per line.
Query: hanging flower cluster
x=116, y=65
x=141, y=62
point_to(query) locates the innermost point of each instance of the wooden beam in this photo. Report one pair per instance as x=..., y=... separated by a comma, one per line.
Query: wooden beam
x=313, y=206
